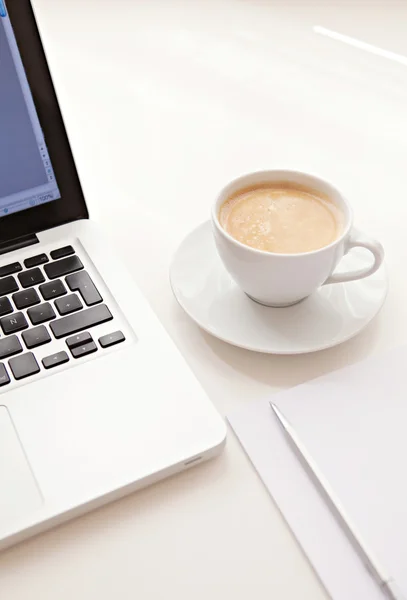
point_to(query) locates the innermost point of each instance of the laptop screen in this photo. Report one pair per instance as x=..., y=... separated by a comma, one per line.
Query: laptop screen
x=27, y=178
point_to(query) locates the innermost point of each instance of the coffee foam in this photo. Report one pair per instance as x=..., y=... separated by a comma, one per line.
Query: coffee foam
x=281, y=218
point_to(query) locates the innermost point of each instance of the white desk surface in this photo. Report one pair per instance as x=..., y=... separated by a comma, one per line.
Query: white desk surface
x=166, y=101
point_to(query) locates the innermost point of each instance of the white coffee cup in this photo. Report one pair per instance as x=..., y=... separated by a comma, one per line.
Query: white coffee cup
x=284, y=279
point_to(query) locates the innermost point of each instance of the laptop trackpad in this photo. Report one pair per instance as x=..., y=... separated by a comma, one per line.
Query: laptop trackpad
x=19, y=493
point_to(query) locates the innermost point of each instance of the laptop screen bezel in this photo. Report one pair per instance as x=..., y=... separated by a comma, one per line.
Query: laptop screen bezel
x=71, y=206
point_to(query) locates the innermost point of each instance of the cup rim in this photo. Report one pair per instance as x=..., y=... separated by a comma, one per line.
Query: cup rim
x=242, y=178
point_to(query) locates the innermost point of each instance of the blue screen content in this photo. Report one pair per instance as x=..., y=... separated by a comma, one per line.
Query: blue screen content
x=26, y=174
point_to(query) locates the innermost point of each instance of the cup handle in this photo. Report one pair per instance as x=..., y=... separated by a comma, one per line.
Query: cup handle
x=359, y=240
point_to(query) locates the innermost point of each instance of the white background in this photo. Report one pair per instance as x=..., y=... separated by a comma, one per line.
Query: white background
x=165, y=102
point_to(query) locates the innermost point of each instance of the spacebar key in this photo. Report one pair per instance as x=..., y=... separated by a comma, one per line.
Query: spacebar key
x=81, y=320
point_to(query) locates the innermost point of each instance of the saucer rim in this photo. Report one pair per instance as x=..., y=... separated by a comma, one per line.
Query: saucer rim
x=383, y=269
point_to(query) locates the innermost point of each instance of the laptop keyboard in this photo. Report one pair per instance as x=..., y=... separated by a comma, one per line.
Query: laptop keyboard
x=64, y=304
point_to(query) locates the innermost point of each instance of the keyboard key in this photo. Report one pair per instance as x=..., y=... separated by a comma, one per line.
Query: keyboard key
x=37, y=336
x=63, y=267
x=53, y=289
x=9, y=346
x=68, y=304
x=32, y=277
x=5, y=306
x=81, y=320
x=61, y=252
x=10, y=269
x=80, y=351
x=55, y=359
x=111, y=339
x=34, y=261
x=8, y=285
x=77, y=340
x=13, y=323
x=4, y=378
x=24, y=365
x=81, y=282
x=26, y=298
x=41, y=313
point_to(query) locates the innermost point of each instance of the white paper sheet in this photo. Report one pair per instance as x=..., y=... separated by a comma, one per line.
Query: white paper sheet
x=353, y=422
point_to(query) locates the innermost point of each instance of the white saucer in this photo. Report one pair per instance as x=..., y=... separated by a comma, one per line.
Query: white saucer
x=334, y=314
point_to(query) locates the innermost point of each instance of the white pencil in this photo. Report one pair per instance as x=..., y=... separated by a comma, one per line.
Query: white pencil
x=383, y=579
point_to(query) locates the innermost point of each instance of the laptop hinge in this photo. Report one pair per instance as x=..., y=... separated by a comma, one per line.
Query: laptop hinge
x=17, y=243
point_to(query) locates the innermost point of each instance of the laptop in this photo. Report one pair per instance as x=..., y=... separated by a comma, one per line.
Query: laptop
x=95, y=400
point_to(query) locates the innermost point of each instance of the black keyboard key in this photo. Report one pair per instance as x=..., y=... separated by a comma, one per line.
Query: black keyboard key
x=80, y=351
x=8, y=285
x=34, y=261
x=13, y=323
x=81, y=282
x=26, y=298
x=37, y=336
x=9, y=346
x=55, y=359
x=81, y=320
x=24, y=365
x=111, y=339
x=41, y=313
x=32, y=277
x=53, y=289
x=77, y=340
x=5, y=306
x=68, y=304
x=10, y=269
x=61, y=252
x=4, y=378
x=63, y=267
